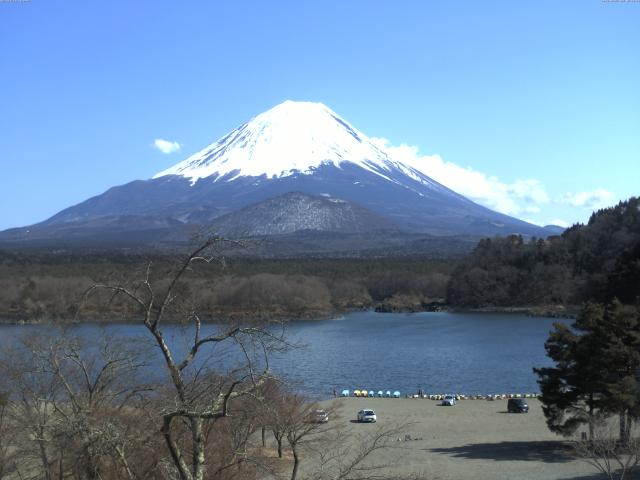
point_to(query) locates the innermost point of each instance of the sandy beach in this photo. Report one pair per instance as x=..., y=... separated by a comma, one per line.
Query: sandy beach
x=476, y=439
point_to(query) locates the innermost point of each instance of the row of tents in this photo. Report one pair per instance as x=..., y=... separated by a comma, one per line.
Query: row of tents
x=371, y=393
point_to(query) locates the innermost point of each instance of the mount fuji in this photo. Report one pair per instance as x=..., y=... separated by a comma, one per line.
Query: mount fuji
x=249, y=175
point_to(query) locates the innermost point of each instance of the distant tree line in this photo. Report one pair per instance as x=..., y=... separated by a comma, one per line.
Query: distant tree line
x=593, y=262
x=48, y=287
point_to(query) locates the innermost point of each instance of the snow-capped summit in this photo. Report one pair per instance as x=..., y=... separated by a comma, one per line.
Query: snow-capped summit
x=292, y=137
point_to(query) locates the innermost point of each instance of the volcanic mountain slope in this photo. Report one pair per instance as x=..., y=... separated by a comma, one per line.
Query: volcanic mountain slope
x=295, y=212
x=294, y=147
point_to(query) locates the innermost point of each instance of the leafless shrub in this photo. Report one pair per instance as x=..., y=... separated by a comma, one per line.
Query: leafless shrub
x=7, y=451
x=613, y=457
x=290, y=292
x=71, y=407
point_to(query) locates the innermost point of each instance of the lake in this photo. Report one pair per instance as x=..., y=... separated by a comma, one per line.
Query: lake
x=473, y=353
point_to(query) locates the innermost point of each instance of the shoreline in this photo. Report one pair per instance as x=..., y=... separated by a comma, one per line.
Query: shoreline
x=548, y=311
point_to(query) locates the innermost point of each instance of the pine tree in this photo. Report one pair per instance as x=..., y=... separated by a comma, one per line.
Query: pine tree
x=596, y=372
x=572, y=390
x=621, y=351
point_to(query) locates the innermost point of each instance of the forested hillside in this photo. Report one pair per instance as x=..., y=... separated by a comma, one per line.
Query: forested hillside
x=597, y=262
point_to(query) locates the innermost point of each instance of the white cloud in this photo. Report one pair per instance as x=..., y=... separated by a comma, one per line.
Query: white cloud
x=521, y=196
x=531, y=209
x=599, y=198
x=166, y=146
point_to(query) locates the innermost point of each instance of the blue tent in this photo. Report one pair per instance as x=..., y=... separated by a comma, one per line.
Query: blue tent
x=372, y=393
x=396, y=394
x=380, y=394
x=345, y=393
x=388, y=394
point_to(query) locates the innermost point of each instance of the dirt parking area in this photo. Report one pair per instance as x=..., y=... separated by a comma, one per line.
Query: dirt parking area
x=475, y=439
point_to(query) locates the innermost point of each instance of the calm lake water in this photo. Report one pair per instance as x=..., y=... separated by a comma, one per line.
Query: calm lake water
x=437, y=352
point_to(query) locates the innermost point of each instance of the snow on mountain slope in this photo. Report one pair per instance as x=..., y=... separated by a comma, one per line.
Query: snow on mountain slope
x=296, y=211
x=290, y=138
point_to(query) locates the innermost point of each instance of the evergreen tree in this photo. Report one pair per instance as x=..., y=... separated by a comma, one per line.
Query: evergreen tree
x=571, y=391
x=596, y=372
x=621, y=351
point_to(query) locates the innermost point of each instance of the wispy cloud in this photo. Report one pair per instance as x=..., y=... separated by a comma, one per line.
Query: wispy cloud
x=521, y=196
x=166, y=146
x=599, y=198
x=531, y=209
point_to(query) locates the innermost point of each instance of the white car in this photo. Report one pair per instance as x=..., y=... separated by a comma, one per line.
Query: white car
x=367, y=415
x=448, y=400
x=320, y=416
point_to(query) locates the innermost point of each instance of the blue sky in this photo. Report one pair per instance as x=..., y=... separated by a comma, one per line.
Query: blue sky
x=532, y=108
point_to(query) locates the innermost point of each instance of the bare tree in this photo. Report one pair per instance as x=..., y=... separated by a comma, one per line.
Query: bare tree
x=303, y=427
x=610, y=455
x=74, y=405
x=230, y=451
x=7, y=460
x=96, y=385
x=274, y=415
x=30, y=406
x=198, y=398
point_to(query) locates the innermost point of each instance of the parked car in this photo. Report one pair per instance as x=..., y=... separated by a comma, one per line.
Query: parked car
x=517, y=405
x=448, y=400
x=320, y=416
x=367, y=415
